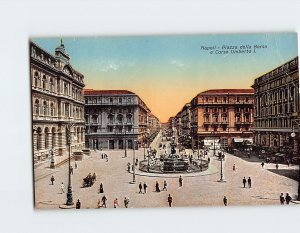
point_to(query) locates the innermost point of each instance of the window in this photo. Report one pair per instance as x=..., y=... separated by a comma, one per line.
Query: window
x=44, y=81
x=45, y=108
x=216, y=99
x=52, y=109
x=224, y=99
x=237, y=99
x=111, y=100
x=37, y=107
x=120, y=100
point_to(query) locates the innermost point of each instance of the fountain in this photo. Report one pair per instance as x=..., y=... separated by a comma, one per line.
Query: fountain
x=173, y=163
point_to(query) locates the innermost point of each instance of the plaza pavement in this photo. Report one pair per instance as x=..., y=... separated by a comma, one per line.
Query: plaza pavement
x=198, y=190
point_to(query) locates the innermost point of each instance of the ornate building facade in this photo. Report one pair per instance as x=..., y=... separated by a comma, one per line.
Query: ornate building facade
x=222, y=114
x=277, y=111
x=56, y=101
x=115, y=119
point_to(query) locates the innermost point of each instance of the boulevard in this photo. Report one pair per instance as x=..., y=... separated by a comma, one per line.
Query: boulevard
x=199, y=189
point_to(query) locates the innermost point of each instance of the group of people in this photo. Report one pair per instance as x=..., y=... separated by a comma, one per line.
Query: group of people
x=89, y=180
x=104, y=156
x=287, y=199
x=249, y=181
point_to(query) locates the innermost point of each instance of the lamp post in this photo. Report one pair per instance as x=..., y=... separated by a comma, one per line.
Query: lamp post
x=133, y=163
x=221, y=173
x=52, y=163
x=69, y=142
x=125, y=142
x=293, y=135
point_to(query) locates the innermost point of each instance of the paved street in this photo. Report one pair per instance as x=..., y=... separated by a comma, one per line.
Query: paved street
x=199, y=189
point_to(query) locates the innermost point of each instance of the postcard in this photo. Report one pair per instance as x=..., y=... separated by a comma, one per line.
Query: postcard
x=165, y=121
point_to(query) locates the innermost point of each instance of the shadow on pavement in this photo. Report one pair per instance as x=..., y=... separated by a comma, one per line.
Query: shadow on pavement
x=292, y=174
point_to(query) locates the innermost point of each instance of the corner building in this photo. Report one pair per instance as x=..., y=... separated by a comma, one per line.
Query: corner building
x=115, y=119
x=277, y=111
x=222, y=114
x=56, y=101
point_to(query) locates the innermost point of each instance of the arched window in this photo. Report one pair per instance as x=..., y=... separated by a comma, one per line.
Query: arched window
x=46, y=138
x=110, y=119
x=120, y=118
x=51, y=85
x=53, y=137
x=44, y=82
x=45, y=108
x=36, y=77
x=52, y=109
x=65, y=88
x=39, y=139
x=37, y=107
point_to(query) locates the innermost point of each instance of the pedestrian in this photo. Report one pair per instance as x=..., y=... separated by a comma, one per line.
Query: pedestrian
x=128, y=167
x=170, y=200
x=136, y=162
x=288, y=199
x=98, y=204
x=52, y=179
x=233, y=168
x=132, y=167
x=145, y=187
x=281, y=198
x=75, y=165
x=116, y=203
x=102, y=156
x=165, y=186
x=62, y=187
x=249, y=182
x=106, y=158
x=78, y=204
x=277, y=166
x=104, y=199
x=140, y=187
x=225, y=201
x=288, y=162
x=244, y=182
x=262, y=164
x=126, y=202
x=180, y=181
x=157, y=187
x=71, y=170
x=208, y=160
x=101, y=188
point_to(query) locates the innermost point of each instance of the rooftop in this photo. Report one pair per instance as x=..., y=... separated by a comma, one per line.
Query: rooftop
x=228, y=91
x=106, y=92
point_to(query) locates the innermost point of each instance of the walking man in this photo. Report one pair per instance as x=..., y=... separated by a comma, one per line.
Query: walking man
x=62, y=187
x=233, y=168
x=75, y=165
x=165, y=186
x=126, y=202
x=128, y=167
x=244, y=182
x=145, y=187
x=52, y=180
x=249, y=182
x=116, y=203
x=180, y=181
x=277, y=166
x=71, y=170
x=104, y=199
x=78, y=204
x=281, y=199
x=225, y=201
x=140, y=187
x=170, y=200
x=288, y=199
x=262, y=164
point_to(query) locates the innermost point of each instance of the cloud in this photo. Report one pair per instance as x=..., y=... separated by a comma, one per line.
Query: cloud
x=112, y=65
x=177, y=63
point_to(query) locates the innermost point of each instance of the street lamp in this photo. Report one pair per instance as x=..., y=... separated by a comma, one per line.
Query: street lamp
x=69, y=142
x=221, y=173
x=133, y=163
x=125, y=142
x=52, y=163
x=293, y=135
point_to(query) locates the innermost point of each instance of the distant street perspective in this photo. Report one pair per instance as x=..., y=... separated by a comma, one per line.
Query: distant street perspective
x=121, y=133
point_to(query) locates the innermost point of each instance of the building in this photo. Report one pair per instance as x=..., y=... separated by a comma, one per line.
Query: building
x=154, y=126
x=225, y=115
x=186, y=119
x=56, y=102
x=277, y=111
x=115, y=119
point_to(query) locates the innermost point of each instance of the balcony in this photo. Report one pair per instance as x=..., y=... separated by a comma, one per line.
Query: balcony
x=206, y=122
x=224, y=122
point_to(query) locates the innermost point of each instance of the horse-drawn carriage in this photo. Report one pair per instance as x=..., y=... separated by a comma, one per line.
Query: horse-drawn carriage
x=89, y=180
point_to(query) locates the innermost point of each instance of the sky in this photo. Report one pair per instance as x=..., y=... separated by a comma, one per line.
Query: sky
x=167, y=71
